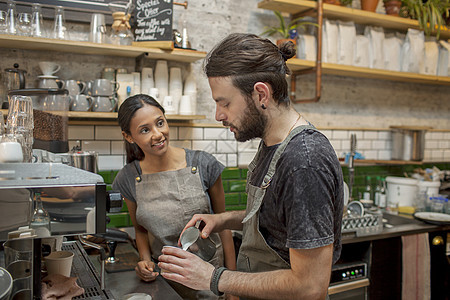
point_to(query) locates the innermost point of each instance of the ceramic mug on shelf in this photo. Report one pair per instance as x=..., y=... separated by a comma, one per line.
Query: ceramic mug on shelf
x=80, y=102
x=102, y=104
x=50, y=82
x=103, y=87
x=75, y=87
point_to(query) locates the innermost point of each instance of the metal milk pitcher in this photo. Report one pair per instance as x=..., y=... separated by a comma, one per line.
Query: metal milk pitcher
x=192, y=241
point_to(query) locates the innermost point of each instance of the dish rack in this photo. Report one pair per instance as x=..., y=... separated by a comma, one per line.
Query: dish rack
x=370, y=223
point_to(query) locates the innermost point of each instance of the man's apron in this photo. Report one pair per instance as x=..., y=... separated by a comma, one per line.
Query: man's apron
x=255, y=255
x=166, y=201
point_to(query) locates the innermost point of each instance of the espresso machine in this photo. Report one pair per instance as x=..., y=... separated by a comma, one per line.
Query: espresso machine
x=75, y=202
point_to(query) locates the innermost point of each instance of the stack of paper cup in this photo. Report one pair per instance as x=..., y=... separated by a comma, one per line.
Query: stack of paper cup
x=136, y=83
x=190, y=88
x=175, y=87
x=147, y=81
x=185, y=105
x=162, y=78
x=126, y=85
x=168, y=105
x=154, y=93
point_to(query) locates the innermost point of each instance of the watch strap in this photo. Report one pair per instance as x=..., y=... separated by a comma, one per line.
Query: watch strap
x=214, y=284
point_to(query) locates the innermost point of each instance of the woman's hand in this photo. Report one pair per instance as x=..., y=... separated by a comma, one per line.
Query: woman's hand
x=145, y=270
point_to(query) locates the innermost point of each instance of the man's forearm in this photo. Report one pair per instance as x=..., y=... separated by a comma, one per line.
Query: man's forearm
x=279, y=284
x=233, y=219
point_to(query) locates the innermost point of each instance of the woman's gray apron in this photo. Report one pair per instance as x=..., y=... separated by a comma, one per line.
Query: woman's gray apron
x=255, y=255
x=166, y=201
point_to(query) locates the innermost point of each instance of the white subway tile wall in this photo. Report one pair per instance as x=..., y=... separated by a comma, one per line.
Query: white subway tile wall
x=372, y=144
x=108, y=133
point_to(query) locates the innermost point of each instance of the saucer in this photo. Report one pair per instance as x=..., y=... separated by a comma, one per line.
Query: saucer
x=47, y=77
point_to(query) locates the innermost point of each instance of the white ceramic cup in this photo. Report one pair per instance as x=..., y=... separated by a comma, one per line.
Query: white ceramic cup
x=49, y=67
x=59, y=262
x=10, y=152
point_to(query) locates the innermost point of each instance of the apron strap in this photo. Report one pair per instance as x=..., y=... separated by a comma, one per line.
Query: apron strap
x=138, y=170
x=194, y=167
x=271, y=171
x=252, y=164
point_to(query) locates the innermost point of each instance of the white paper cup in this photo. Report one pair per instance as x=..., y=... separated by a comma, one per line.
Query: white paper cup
x=59, y=262
x=185, y=105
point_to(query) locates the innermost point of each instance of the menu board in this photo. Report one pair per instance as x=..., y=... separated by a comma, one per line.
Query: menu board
x=153, y=20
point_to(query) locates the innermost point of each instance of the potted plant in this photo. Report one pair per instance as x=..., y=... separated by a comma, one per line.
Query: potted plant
x=431, y=14
x=392, y=7
x=287, y=31
x=334, y=2
x=369, y=5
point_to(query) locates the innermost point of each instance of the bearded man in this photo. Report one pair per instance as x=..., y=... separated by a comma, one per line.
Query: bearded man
x=292, y=224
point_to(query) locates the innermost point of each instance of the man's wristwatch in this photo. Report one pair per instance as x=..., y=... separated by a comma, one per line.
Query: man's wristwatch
x=214, y=284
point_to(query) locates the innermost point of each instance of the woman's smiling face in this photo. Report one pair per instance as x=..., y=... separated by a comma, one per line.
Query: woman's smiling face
x=149, y=130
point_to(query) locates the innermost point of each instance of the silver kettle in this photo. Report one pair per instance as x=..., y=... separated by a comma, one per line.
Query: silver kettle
x=85, y=160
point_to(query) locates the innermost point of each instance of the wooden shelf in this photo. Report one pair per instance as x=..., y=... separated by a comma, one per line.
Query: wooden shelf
x=296, y=64
x=89, y=115
x=32, y=43
x=113, y=115
x=362, y=162
x=358, y=16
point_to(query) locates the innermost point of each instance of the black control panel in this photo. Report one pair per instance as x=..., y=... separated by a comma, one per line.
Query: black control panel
x=348, y=272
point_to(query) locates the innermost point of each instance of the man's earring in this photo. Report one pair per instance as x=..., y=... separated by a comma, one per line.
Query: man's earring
x=263, y=106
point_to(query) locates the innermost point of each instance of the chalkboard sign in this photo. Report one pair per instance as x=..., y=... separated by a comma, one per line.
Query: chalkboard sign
x=154, y=22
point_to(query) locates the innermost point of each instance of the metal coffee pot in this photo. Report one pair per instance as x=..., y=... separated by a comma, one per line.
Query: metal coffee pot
x=13, y=79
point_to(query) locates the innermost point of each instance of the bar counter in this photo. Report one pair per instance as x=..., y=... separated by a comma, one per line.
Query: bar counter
x=127, y=282
x=396, y=225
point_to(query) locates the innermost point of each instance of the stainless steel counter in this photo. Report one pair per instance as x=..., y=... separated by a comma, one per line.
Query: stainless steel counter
x=395, y=226
x=123, y=283
x=127, y=282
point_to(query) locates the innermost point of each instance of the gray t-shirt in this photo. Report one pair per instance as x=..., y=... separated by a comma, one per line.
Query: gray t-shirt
x=302, y=207
x=209, y=169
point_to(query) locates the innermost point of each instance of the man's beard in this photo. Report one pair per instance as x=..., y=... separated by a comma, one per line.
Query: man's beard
x=252, y=125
